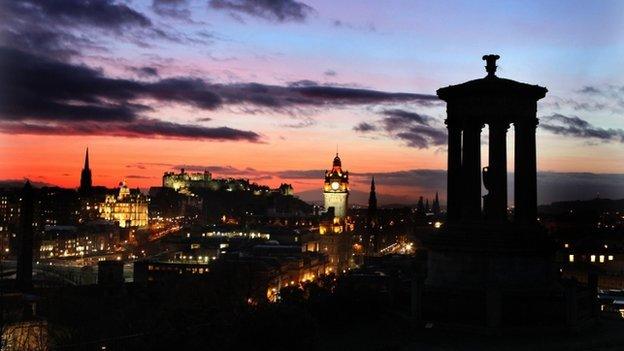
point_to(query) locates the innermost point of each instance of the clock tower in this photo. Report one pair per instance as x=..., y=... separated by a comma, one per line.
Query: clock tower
x=336, y=190
x=334, y=225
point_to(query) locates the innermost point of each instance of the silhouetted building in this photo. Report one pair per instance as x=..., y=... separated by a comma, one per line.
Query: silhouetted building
x=420, y=206
x=435, y=207
x=85, y=176
x=110, y=272
x=285, y=189
x=25, y=250
x=485, y=273
x=370, y=240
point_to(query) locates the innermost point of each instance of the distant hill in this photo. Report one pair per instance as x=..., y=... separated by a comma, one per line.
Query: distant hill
x=583, y=206
x=18, y=183
x=357, y=197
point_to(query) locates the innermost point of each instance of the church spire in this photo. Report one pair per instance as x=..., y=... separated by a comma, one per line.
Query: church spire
x=371, y=237
x=86, y=162
x=435, y=208
x=372, y=198
x=85, y=176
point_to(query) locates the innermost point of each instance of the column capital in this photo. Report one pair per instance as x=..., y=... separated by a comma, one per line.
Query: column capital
x=472, y=125
x=527, y=123
x=452, y=123
x=499, y=125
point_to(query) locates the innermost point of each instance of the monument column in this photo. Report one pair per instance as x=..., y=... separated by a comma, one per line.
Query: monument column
x=497, y=170
x=471, y=172
x=453, y=192
x=525, y=173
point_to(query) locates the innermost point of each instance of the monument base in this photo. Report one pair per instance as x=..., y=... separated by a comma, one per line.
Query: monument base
x=497, y=279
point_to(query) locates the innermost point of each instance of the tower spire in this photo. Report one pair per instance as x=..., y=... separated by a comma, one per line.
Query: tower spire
x=371, y=238
x=85, y=176
x=372, y=198
x=86, y=162
x=435, y=207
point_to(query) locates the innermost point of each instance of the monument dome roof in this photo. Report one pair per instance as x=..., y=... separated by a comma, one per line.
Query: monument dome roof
x=491, y=85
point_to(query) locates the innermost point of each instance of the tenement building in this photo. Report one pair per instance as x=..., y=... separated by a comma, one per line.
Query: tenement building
x=485, y=271
x=127, y=209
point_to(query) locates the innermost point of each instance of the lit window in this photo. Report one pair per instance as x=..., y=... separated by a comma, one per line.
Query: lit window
x=571, y=258
x=601, y=258
x=610, y=257
x=592, y=258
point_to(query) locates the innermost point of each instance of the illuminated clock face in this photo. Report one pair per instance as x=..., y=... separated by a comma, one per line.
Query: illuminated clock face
x=335, y=185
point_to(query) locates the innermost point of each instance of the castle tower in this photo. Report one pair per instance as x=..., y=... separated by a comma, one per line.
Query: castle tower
x=336, y=189
x=85, y=175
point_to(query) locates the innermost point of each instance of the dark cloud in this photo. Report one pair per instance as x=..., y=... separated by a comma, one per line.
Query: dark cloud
x=50, y=92
x=397, y=119
x=137, y=176
x=579, y=128
x=364, y=127
x=145, y=165
x=203, y=119
x=305, y=123
x=590, y=90
x=139, y=128
x=559, y=103
x=417, y=130
x=40, y=86
x=367, y=27
x=423, y=178
x=341, y=95
x=273, y=10
x=172, y=8
x=227, y=171
x=330, y=73
x=61, y=27
x=423, y=137
x=301, y=174
x=307, y=94
x=145, y=72
x=260, y=178
x=43, y=89
x=101, y=13
x=603, y=98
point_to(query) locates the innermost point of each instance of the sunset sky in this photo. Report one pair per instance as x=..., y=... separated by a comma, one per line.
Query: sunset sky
x=268, y=90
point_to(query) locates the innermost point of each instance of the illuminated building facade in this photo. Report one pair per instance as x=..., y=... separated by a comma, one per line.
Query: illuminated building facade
x=336, y=189
x=183, y=181
x=128, y=209
x=334, y=226
x=71, y=241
